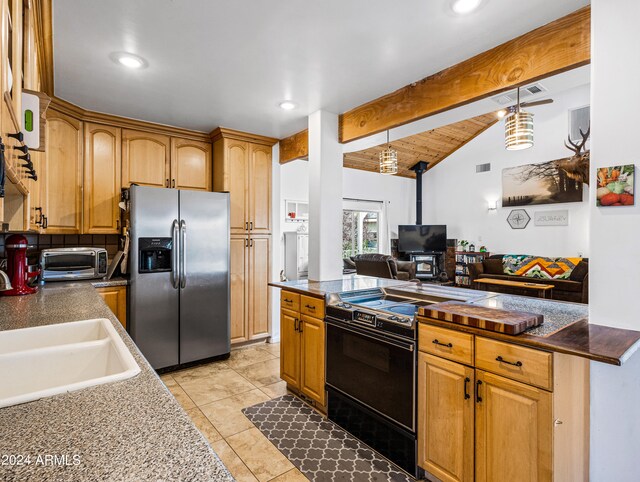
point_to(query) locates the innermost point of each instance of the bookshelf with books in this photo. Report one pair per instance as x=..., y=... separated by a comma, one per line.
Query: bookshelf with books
x=463, y=260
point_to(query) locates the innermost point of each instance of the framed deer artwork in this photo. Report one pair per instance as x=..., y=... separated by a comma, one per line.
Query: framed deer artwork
x=615, y=186
x=551, y=182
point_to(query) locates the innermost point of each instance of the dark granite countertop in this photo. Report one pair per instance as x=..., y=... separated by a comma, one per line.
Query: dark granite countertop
x=127, y=431
x=321, y=289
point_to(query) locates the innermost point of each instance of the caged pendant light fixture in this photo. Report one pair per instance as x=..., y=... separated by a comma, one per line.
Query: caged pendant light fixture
x=518, y=128
x=388, y=159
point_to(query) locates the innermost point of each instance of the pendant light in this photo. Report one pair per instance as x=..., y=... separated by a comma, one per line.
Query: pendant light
x=518, y=128
x=388, y=159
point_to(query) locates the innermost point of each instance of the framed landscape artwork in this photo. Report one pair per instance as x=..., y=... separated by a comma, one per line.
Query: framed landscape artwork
x=615, y=186
x=542, y=183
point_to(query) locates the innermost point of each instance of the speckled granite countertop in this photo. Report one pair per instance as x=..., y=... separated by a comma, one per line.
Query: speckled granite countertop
x=96, y=283
x=133, y=430
x=566, y=329
x=320, y=289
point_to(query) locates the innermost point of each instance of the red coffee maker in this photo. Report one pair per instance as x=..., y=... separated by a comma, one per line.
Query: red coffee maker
x=18, y=266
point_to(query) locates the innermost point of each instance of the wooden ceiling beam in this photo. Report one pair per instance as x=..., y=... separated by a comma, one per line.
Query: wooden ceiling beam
x=294, y=147
x=561, y=45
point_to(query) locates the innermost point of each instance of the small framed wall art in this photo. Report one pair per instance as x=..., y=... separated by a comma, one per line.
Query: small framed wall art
x=615, y=186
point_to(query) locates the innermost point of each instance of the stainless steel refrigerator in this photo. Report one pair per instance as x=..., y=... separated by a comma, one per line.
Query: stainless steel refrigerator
x=179, y=266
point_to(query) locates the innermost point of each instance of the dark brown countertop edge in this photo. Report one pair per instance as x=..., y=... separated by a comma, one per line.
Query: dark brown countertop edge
x=599, y=343
x=302, y=291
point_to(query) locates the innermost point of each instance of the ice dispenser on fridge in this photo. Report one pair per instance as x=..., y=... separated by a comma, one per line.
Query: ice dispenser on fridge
x=154, y=255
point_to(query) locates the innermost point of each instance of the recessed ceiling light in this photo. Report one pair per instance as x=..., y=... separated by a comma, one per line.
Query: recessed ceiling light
x=128, y=60
x=462, y=7
x=288, y=105
x=501, y=113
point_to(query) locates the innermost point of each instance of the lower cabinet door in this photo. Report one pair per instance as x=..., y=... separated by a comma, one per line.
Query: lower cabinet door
x=116, y=299
x=312, y=358
x=290, y=348
x=445, y=418
x=513, y=431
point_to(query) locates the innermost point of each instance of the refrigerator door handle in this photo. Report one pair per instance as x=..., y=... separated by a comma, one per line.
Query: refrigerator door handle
x=183, y=252
x=175, y=274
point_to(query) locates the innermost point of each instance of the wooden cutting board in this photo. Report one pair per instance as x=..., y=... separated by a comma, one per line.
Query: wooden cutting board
x=492, y=319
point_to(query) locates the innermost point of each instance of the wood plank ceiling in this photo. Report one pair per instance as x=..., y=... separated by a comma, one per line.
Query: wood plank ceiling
x=432, y=146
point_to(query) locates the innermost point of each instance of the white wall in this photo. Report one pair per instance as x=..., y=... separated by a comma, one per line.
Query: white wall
x=455, y=195
x=614, y=232
x=398, y=193
x=275, y=252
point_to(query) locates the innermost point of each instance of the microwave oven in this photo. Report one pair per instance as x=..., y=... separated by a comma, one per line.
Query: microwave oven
x=64, y=264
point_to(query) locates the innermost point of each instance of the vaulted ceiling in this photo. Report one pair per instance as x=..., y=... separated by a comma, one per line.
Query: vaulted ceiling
x=432, y=146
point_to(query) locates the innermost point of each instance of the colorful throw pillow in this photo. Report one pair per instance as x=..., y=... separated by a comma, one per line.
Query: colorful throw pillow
x=540, y=267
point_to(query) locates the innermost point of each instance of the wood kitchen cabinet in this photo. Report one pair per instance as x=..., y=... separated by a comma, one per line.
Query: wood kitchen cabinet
x=445, y=418
x=242, y=167
x=191, y=164
x=517, y=419
x=249, y=271
x=116, y=299
x=512, y=412
x=302, y=342
x=146, y=159
x=157, y=160
x=102, y=162
x=61, y=176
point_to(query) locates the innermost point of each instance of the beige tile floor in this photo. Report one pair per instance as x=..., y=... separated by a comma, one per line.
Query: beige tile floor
x=214, y=394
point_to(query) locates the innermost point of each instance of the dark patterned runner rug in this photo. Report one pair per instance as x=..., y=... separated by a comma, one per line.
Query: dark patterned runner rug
x=320, y=449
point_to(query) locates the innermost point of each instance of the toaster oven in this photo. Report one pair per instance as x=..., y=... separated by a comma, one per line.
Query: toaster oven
x=64, y=264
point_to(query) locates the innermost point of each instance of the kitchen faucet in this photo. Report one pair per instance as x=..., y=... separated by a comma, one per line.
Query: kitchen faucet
x=5, y=282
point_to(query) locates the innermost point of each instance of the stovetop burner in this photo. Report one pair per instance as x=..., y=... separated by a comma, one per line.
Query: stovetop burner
x=377, y=310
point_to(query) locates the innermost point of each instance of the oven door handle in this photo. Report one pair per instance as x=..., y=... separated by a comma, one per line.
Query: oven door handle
x=405, y=346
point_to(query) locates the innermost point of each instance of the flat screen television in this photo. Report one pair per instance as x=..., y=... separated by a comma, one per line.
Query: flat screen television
x=422, y=238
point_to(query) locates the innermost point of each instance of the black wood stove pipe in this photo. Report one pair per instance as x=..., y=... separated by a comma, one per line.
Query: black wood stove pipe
x=420, y=168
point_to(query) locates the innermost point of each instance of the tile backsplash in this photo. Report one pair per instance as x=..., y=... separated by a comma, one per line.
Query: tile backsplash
x=38, y=242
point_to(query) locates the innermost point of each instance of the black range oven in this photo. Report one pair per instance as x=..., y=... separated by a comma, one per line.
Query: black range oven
x=371, y=363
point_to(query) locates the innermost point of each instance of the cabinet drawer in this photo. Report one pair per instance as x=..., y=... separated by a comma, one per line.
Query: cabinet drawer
x=450, y=344
x=533, y=367
x=289, y=300
x=312, y=306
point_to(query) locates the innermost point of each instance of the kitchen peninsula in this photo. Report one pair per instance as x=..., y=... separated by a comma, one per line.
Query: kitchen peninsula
x=478, y=391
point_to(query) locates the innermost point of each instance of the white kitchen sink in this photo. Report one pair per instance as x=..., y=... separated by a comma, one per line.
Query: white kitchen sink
x=48, y=360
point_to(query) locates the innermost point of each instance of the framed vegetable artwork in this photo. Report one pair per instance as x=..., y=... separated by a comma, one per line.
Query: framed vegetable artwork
x=615, y=186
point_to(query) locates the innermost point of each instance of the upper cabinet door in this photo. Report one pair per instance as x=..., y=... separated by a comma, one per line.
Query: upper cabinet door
x=102, y=160
x=191, y=164
x=145, y=159
x=237, y=183
x=62, y=174
x=260, y=189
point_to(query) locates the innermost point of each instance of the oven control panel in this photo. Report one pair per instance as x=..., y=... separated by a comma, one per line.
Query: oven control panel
x=367, y=318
